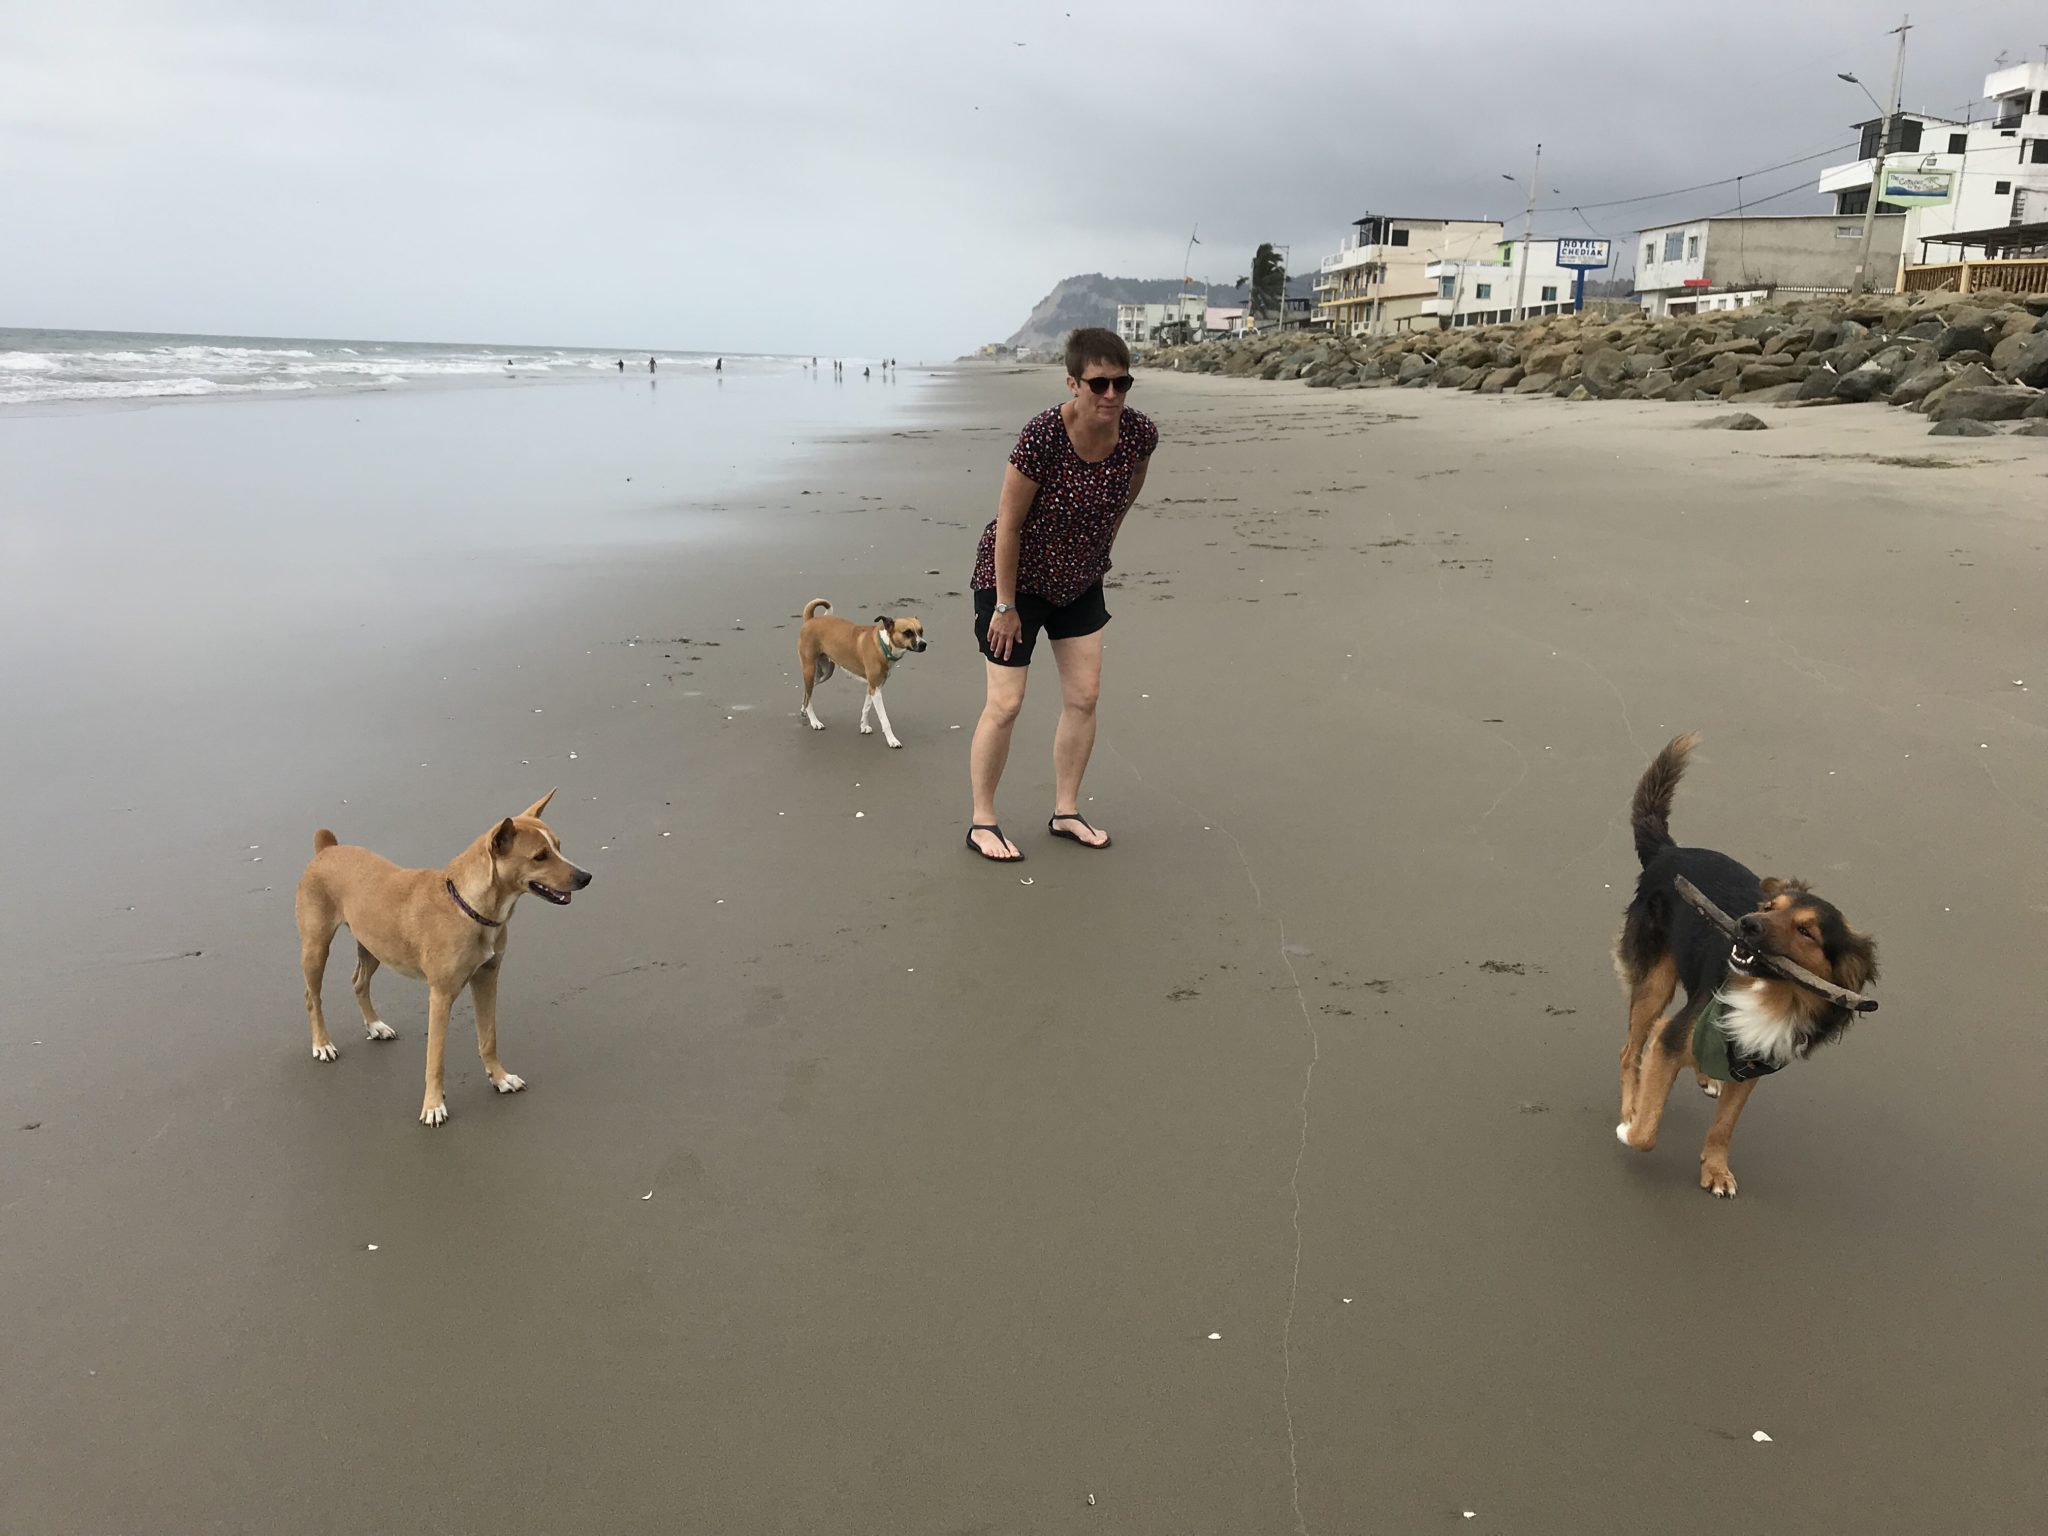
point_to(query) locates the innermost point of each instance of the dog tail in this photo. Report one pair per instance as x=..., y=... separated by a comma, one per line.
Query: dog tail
x=814, y=605
x=1649, y=814
x=324, y=840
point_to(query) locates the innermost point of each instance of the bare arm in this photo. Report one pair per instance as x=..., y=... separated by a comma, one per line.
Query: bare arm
x=1018, y=494
x=1137, y=485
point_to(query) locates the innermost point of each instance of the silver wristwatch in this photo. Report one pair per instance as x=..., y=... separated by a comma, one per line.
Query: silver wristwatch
x=1005, y=608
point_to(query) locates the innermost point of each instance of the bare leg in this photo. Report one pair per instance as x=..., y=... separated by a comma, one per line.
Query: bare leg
x=483, y=992
x=991, y=749
x=1080, y=664
x=434, y=1106
x=374, y=1028
x=1714, y=1174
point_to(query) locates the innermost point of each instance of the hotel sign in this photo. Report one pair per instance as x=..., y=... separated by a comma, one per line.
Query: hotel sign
x=1582, y=253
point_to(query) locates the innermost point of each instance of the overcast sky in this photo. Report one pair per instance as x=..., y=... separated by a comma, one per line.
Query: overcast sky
x=860, y=178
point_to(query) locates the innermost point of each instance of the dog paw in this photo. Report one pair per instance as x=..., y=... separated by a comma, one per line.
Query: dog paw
x=511, y=1082
x=379, y=1031
x=326, y=1052
x=1719, y=1181
x=894, y=742
x=866, y=729
x=434, y=1114
x=816, y=725
x=1711, y=1089
x=1621, y=1133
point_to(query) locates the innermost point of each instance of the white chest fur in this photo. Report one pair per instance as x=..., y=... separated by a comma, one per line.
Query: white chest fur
x=1753, y=1027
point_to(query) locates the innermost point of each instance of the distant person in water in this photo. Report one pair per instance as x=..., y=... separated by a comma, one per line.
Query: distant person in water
x=864, y=373
x=719, y=366
x=622, y=365
x=650, y=365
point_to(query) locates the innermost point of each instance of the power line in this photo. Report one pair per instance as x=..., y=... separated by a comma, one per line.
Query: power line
x=1650, y=197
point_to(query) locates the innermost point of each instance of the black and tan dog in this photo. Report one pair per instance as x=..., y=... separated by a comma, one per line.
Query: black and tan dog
x=827, y=642
x=445, y=927
x=1686, y=980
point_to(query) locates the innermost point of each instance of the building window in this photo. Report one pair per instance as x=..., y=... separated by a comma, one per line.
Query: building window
x=2040, y=152
x=1446, y=287
x=2000, y=188
x=1692, y=247
x=1959, y=143
x=1485, y=291
x=1674, y=245
x=1852, y=202
x=1848, y=232
x=1550, y=293
x=1649, y=253
x=1400, y=237
x=1908, y=134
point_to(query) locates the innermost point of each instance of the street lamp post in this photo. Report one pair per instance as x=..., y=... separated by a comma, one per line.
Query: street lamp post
x=1528, y=225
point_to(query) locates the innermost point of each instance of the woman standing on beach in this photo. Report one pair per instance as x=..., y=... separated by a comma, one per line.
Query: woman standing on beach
x=1072, y=478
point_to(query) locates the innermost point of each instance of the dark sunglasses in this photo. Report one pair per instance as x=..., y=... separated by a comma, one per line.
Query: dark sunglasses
x=1121, y=384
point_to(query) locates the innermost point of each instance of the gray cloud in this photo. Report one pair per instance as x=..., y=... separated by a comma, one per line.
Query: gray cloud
x=889, y=177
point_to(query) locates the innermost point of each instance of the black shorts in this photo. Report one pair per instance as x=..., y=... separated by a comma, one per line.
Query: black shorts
x=1060, y=621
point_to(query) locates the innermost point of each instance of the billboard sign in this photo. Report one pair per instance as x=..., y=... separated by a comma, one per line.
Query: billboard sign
x=1917, y=189
x=1582, y=253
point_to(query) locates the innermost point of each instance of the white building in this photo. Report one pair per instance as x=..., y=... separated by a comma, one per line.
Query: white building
x=1996, y=170
x=1728, y=263
x=1483, y=291
x=1138, y=324
x=1378, y=279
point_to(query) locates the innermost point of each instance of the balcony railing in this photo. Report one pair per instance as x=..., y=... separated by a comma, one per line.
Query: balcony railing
x=2027, y=276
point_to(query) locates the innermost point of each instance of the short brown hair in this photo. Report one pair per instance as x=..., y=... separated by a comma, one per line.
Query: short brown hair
x=1093, y=344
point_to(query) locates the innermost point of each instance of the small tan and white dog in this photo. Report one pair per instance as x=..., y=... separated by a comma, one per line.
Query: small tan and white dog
x=827, y=642
x=445, y=927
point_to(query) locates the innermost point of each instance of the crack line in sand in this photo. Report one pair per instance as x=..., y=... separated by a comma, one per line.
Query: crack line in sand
x=1315, y=1042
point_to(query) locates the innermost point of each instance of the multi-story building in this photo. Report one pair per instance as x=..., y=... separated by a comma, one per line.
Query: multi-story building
x=1185, y=316
x=1483, y=291
x=1378, y=280
x=1994, y=173
x=1730, y=262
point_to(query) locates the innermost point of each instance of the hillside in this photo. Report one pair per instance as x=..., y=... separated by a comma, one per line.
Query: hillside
x=1091, y=299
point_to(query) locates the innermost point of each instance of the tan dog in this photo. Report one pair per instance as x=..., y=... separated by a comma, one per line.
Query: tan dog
x=828, y=642
x=445, y=927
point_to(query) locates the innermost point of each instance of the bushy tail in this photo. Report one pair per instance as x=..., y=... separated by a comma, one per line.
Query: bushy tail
x=814, y=605
x=1649, y=814
x=324, y=840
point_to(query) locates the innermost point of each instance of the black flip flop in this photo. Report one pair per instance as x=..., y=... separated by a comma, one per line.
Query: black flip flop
x=993, y=858
x=1073, y=837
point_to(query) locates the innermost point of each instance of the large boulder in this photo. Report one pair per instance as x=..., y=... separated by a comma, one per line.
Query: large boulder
x=1768, y=375
x=1962, y=427
x=1741, y=421
x=1864, y=383
x=1603, y=368
x=2029, y=363
x=2038, y=408
x=1498, y=379
x=1968, y=331
x=1821, y=384
x=1536, y=383
x=1998, y=402
x=2031, y=429
x=1918, y=385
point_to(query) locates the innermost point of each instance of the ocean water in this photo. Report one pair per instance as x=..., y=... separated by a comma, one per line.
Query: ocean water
x=38, y=366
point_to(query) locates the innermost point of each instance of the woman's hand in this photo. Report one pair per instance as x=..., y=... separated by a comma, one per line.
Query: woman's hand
x=1004, y=631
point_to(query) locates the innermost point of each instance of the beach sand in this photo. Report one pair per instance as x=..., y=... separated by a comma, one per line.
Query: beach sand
x=1256, y=1175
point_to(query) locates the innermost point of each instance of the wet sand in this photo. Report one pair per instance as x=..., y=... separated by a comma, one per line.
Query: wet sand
x=861, y=1186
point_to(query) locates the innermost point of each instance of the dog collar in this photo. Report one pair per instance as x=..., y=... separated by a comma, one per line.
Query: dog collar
x=882, y=639
x=469, y=911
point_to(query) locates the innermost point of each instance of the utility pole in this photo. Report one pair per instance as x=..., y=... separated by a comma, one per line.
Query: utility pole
x=1884, y=145
x=1528, y=224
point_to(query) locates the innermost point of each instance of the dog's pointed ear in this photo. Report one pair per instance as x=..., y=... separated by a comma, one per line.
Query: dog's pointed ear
x=501, y=839
x=883, y=618
x=539, y=805
x=1772, y=885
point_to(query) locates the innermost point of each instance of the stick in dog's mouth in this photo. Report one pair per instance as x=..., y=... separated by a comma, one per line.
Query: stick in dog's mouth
x=548, y=892
x=1742, y=959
